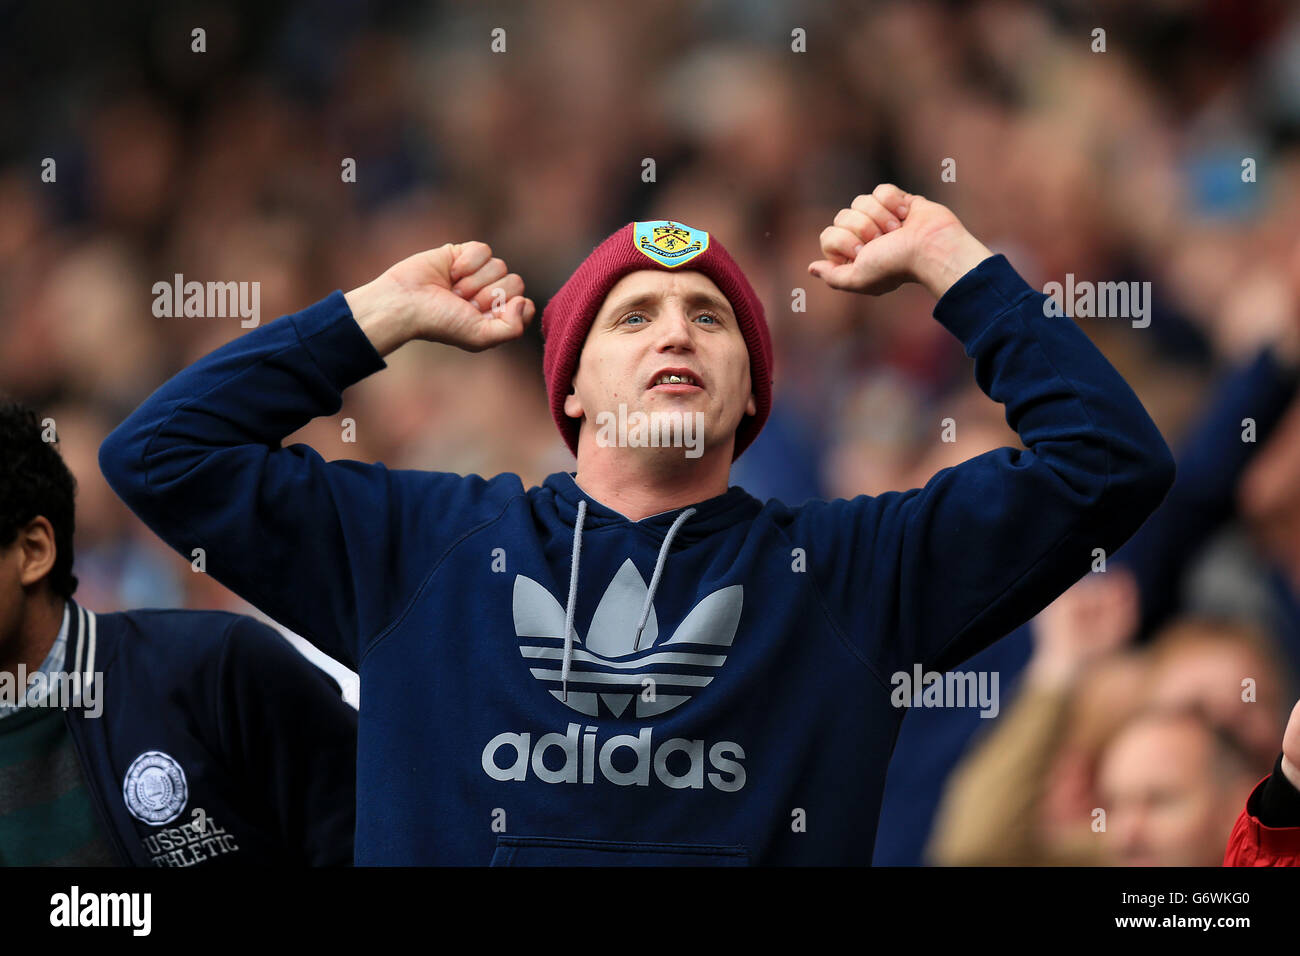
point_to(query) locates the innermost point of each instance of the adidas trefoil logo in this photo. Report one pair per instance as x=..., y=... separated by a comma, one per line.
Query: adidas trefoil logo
x=606, y=669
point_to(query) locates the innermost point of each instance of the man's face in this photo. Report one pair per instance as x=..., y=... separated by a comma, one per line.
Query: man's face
x=653, y=322
x=1164, y=806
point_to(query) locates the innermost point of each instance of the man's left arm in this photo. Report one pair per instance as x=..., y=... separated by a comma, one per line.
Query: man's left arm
x=291, y=738
x=932, y=575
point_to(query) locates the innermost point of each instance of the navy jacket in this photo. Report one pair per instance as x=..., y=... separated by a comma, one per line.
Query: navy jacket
x=218, y=743
x=753, y=720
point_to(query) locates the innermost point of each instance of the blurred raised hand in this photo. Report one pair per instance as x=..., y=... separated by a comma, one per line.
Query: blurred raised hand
x=1096, y=616
x=1291, y=748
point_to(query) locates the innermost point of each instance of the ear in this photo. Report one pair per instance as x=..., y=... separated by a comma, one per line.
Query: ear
x=751, y=407
x=36, y=550
x=573, y=404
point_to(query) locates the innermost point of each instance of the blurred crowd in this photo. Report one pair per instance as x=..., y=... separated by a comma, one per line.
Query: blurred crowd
x=1123, y=165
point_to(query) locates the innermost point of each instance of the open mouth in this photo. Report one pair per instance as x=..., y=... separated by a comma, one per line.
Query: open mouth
x=676, y=380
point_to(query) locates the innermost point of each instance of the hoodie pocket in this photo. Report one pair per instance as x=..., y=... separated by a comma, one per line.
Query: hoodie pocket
x=558, y=851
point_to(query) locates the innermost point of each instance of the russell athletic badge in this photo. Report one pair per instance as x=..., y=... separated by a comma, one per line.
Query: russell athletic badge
x=155, y=790
x=669, y=243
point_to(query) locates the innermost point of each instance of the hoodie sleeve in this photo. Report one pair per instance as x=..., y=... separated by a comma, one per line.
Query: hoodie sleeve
x=332, y=550
x=932, y=575
x=290, y=741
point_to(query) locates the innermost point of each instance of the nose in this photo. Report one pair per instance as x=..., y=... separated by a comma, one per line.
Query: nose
x=675, y=329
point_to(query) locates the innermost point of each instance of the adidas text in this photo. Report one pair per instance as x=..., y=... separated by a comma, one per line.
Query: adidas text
x=677, y=763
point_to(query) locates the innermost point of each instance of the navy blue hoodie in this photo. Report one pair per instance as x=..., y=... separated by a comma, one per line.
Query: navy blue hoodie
x=751, y=721
x=217, y=744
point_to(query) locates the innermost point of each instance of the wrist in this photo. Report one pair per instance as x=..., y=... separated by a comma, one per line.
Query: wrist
x=1053, y=671
x=946, y=258
x=384, y=321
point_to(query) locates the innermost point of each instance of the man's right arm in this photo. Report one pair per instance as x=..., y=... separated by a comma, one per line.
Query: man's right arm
x=326, y=548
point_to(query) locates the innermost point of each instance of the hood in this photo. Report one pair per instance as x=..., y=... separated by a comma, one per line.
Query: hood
x=683, y=526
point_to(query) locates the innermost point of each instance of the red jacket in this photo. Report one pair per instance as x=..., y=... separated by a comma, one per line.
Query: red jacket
x=1254, y=843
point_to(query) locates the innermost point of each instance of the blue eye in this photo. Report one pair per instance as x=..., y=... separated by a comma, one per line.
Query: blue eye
x=628, y=319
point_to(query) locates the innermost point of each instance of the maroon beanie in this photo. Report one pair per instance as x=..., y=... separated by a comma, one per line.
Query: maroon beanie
x=660, y=244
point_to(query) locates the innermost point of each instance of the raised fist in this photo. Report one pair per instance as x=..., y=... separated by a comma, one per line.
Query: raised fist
x=457, y=294
x=1095, y=616
x=891, y=237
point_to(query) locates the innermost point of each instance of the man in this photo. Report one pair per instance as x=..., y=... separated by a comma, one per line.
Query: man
x=1172, y=783
x=636, y=663
x=166, y=738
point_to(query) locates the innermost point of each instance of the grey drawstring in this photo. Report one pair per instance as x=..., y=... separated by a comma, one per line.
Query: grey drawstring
x=659, y=570
x=571, y=606
x=572, y=602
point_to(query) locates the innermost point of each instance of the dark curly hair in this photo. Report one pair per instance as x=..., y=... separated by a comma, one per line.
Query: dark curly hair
x=34, y=481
